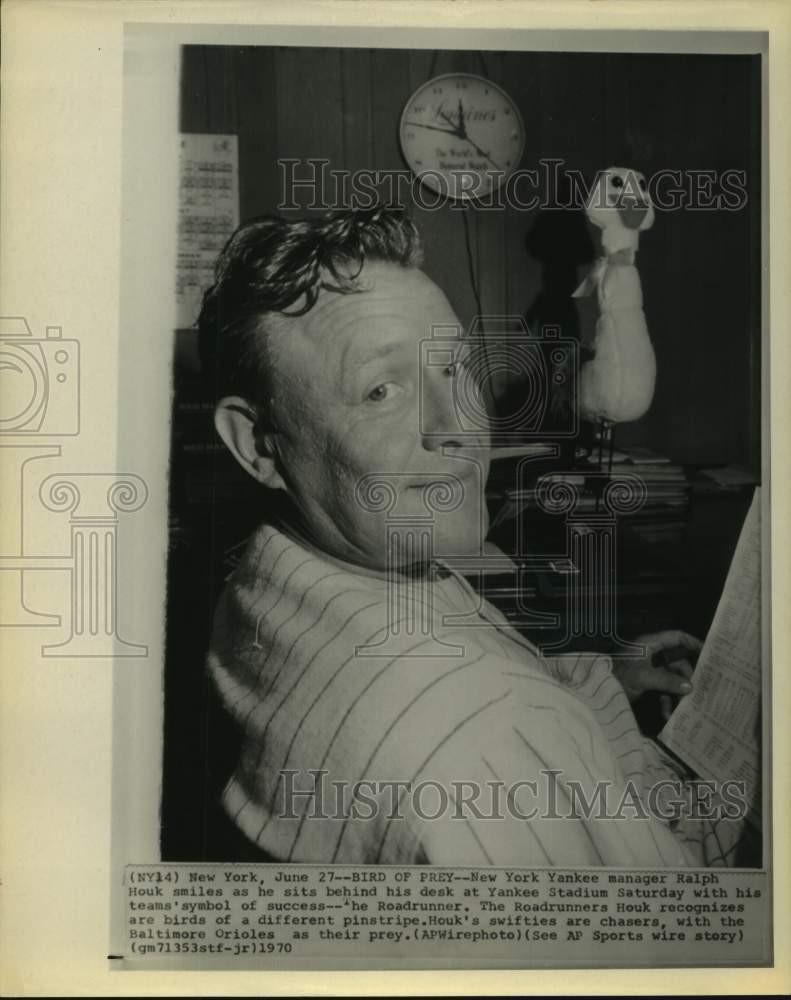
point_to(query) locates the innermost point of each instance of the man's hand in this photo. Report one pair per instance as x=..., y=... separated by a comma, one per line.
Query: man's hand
x=666, y=667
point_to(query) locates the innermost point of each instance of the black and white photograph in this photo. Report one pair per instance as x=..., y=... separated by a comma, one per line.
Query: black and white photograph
x=466, y=465
x=466, y=429
x=433, y=558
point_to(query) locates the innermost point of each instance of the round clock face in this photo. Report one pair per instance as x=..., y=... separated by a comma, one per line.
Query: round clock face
x=462, y=135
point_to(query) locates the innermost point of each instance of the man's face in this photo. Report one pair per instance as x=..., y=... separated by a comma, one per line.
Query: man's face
x=367, y=424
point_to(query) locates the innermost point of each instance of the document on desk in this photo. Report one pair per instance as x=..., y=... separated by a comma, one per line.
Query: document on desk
x=716, y=729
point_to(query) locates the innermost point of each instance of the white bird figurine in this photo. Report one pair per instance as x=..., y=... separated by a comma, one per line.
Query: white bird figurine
x=617, y=385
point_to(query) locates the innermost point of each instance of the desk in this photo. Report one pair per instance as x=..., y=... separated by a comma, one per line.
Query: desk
x=674, y=582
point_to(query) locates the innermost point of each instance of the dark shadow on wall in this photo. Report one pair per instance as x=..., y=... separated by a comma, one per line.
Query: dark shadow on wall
x=560, y=242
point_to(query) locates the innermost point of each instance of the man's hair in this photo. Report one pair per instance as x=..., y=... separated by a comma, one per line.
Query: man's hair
x=270, y=266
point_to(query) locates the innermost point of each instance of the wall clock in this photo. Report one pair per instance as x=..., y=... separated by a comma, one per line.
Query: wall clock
x=462, y=135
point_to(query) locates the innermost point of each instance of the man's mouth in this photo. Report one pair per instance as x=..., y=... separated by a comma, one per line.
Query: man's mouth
x=451, y=481
x=444, y=494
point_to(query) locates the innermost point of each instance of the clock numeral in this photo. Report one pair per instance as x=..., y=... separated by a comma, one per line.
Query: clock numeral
x=418, y=109
x=461, y=85
x=437, y=90
x=506, y=111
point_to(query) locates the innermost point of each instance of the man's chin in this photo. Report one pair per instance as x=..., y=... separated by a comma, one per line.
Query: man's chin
x=461, y=540
x=412, y=544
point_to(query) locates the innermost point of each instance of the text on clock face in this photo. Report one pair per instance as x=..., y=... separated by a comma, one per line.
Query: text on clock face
x=471, y=113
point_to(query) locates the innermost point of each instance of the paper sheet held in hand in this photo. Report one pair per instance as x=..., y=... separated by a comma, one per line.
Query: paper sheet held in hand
x=716, y=729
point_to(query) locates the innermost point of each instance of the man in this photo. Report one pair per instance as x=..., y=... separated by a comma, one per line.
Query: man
x=387, y=713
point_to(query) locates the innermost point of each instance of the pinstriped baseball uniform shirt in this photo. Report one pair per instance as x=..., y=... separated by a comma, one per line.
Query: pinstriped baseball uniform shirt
x=351, y=692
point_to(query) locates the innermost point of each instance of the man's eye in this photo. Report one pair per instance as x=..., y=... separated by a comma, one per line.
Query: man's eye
x=382, y=392
x=617, y=182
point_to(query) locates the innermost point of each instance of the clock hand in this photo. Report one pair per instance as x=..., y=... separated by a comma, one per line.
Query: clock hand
x=458, y=132
x=461, y=132
x=480, y=152
x=434, y=128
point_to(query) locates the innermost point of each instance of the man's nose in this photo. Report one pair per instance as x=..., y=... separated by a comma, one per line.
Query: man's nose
x=439, y=418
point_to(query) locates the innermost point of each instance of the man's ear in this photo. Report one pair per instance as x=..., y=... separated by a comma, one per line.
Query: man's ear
x=235, y=421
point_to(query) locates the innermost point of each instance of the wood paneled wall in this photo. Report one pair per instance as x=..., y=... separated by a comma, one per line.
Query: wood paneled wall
x=700, y=269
